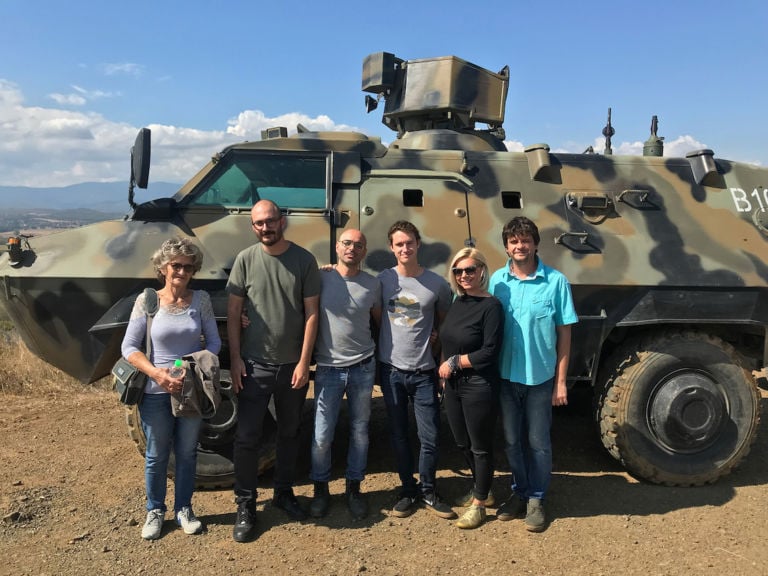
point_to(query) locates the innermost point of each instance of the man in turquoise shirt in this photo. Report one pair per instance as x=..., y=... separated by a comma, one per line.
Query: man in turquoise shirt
x=533, y=365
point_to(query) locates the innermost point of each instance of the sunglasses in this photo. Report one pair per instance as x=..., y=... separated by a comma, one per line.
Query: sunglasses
x=348, y=243
x=178, y=267
x=469, y=270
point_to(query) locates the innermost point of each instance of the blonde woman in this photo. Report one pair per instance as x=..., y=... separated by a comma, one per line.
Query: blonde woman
x=470, y=337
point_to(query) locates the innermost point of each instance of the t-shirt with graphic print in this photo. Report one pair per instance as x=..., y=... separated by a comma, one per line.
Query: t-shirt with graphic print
x=409, y=306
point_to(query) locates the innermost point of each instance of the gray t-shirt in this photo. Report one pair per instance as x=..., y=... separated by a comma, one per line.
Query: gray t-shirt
x=409, y=308
x=275, y=288
x=344, y=333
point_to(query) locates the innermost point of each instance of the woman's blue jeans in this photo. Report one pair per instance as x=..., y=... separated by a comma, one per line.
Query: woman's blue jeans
x=526, y=415
x=330, y=385
x=165, y=433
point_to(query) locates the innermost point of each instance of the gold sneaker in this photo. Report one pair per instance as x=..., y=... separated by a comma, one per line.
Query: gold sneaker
x=472, y=518
x=466, y=500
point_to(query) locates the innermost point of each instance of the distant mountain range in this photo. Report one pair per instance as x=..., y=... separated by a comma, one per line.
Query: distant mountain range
x=108, y=197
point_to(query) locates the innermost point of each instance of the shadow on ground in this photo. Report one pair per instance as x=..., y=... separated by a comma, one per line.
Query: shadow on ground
x=587, y=481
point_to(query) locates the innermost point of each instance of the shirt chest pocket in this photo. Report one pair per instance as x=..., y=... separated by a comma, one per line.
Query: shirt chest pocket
x=542, y=308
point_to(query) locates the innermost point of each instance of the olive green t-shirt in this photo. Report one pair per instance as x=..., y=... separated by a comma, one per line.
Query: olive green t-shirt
x=274, y=288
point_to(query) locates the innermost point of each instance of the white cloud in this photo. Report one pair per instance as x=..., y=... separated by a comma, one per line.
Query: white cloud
x=80, y=97
x=681, y=145
x=57, y=147
x=94, y=94
x=676, y=148
x=514, y=145
x=67, y=99
x=127, y=68
x=250, y=123
x=10, y=95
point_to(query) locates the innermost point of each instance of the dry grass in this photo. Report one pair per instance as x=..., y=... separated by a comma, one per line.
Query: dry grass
x=22, y=373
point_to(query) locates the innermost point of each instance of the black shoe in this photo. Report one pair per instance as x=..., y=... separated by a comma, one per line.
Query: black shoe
x=436, y=506
x=286, y=501
x=405, y=506
x=245, y=523
x=356, y=502
x=321, y=501
x=511, y=509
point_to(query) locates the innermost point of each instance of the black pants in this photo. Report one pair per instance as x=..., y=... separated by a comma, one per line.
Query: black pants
x=261, y=382
x=471, y=406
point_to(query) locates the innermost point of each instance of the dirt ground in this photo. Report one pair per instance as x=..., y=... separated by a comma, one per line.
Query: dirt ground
x=72, y=502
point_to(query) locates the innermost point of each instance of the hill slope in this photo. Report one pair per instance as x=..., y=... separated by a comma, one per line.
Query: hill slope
x=108, y=197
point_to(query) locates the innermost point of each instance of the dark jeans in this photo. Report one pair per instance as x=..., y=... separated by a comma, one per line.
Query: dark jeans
x=397, y=387
x=471, y=406
x=262, y=382
x=526, y=413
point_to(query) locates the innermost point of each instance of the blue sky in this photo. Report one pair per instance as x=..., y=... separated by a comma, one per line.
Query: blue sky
x=78, y=78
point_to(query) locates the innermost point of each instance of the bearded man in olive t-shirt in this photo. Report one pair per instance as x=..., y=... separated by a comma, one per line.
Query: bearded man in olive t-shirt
x=277, y=284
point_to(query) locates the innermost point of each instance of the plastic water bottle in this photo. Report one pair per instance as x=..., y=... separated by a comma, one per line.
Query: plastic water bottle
x=177, y=370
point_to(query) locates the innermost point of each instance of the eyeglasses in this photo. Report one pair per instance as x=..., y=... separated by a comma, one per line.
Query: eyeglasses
x=469, y=270
x=266, y=222
x=348, y=243
x=178, y=267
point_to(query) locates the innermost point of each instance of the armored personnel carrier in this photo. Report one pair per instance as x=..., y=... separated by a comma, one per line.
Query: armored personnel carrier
x=666, y=256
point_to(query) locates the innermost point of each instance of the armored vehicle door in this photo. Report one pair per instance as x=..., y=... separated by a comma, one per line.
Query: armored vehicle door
x=217, y=209
x=435, y=202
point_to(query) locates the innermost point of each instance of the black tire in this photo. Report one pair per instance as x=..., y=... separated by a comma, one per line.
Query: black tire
x=678, y=408
x=214, y=451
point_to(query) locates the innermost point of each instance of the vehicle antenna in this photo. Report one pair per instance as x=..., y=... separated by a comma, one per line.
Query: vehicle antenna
x=608, y=131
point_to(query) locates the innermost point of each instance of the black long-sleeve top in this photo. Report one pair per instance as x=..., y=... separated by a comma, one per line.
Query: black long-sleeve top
x=474, y=325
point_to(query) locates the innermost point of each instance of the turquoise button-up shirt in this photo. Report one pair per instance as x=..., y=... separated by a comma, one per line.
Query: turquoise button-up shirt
x=533, y=308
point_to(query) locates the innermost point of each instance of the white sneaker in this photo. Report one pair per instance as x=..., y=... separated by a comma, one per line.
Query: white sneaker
x=188, y=521
x=154, y=524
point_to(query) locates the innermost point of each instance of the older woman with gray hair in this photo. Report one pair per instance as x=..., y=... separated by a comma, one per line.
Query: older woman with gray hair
x=183, y=316
x=470, y=336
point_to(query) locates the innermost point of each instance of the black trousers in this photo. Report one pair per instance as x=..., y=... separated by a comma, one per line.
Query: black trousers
x=262, y=382
x=471, y=404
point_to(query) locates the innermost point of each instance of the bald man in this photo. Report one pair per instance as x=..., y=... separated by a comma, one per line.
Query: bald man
x=350, y=304
x=277, y=284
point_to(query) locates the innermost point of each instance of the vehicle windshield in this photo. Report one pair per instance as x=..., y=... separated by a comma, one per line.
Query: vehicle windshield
x=242, y=178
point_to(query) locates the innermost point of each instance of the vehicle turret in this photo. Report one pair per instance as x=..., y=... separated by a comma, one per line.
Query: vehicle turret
x=433, y=96
x=666, y=256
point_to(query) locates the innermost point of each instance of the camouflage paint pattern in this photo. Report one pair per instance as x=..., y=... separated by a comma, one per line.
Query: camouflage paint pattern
x=645, y=241
x=649, y=225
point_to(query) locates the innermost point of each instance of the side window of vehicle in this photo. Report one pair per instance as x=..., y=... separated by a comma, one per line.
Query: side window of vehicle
x=292, y=181
x=231, y=188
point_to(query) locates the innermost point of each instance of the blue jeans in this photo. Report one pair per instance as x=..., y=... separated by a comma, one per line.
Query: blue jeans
x=330, y=385
x=164, y=432
x=397, y=387
x=526, y=413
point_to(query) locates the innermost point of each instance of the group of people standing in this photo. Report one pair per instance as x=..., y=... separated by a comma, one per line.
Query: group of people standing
x=484, y=342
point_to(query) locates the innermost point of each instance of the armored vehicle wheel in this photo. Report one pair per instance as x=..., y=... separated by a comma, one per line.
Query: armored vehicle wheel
x=214, y=453
x=678, y=408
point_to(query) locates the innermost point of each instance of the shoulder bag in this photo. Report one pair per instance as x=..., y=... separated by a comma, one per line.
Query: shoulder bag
x=129, y=380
